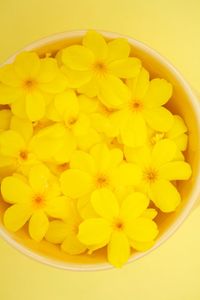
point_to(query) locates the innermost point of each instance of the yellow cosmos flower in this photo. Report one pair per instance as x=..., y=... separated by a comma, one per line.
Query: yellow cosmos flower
x=119, y=227
x=159, y=168
x=97, y=67
x=34, y=198
x=26, y=83
x=15, y=151
x=144, y=109
x=65, y=232
x=101, y=168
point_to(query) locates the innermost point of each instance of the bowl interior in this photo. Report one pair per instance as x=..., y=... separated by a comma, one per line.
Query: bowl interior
x=180, y=104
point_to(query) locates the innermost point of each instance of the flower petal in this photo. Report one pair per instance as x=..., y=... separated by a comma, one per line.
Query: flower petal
x=164, y=151
x=125, y=68
x=139, y=85
x=9, y=94
x=18, y=107
x=101, y=155
x=72, y=245
x=85, y=142
x=113, y=92
x=57, y=232
x=5, y=117
x=76, y=78
x=178, y=128
x=15, y=190
x=81, y=126
x=16, y=216
x=27, y=65
x=150, y=213
x=181, y=141
x=88, y=105
x=142, y=229
x=141, y=246
x=176, y=170
x=133, y=131
x=8, y=76
x=85, y=208
x=66, y=103
x=35, y=106
x=48, y=69
x=57, y=207
x=118, y=49
x=11, y=143
x=105, y=203
x=75, y=183
x=141, y=155
x=90, y=88
x=82, y=161
x=165, y=196
x=57, y=85
x=38, y=177
x=77, y=57
x=94, y=231
x=118, y=249
x=133, y=206
x=126, y=174
x=96, y=43
x=158, y=93
x=160, y=118
x=38, y=225
x=23, y=127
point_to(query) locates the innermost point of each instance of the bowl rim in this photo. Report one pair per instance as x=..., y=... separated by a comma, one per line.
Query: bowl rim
x=194, y=194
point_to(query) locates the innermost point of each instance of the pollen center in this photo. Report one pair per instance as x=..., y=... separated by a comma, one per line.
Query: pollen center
x=136, y=106
x=71, y=121
x=118, y=224
x=29, y=84
x=63, y=167
x=23, y=155
x=101, y=181
x=99, y=68
x=38, y=201
x=150, y=175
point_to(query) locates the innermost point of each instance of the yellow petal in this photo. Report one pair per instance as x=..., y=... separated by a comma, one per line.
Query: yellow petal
x=140, y=155
x=8, y=76
x=88, y=105
x=76, y=78
x=150, y=213
x=181, y=141
x=75, y=183
x=48, y=69
x=164, y=151
x=16, y=216
x=158, y=93
x=90, y=88
x=142, y=230
x=81, y=126
x=35, y=106
x=77, y=57
x=66, y=103
x=102, y=156
x=38, y=177
x=9, y=94
x=15, y=190
x=165, y=196
x=140, y=246
x=5, y=117
x=133, y=206
x=113, y=92
x=56, y=232
x=57, y=207
x=139, y=85
x=118, y=249
x=85, y=208
x=94, y=231
x=134, y=131
x=23, y=127
x=105, y=203
x=27, y=65
x=11, y=143
x=85, y=142
x=118, y=49
x=82, y=161
x=125, y=68
x=38, y=226
x=57, y=85
x=18, y=108
x=96, y=43
x=126, y=174
x=176, y=170
x=178, y=128
x=66, y=149
x=6, y=162
x=72, y=245
x=159, y=119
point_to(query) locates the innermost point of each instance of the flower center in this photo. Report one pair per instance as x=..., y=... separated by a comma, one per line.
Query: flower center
x=101, y=181
x=99, y=68
x=23, y=155
x=71, y=121
x=136, y=106
x=156, y=137
x=29, y=84
x=107, y=111
x=38, y=201
x=118, y=224
x=63, y=167
x=150, y=175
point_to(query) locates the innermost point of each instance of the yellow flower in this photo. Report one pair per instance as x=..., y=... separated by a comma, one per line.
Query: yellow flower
x=65, y=232
x=119, y=227
x=5, y=117
x=26, y=83
x=15, y=149
x=97, y=67
x=34, y=198
x=101, y=168
x=159, y=168
x=144, y=109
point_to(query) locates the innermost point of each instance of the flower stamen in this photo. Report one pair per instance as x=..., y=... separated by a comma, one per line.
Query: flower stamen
x=101, y=181
x=150, y=175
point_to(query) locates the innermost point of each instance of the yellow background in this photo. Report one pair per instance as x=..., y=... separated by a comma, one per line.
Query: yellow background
x=172, y=27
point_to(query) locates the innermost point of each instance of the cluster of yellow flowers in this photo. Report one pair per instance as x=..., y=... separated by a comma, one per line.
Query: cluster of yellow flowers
x=88, y=153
